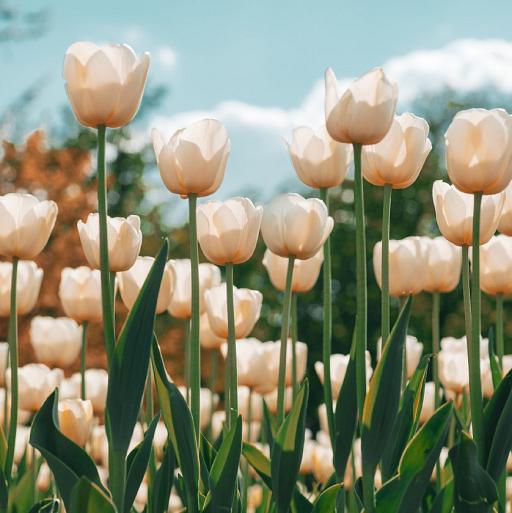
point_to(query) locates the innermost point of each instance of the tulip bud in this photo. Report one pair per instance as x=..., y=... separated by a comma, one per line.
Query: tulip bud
x=293, y=226
x=319, y=161
x=44, y=478
x=256, y=404
x=56, y=341
x=496, y=265
x=271, y=400
x=104, y=83
x=26, y=225
x=505, y=223
x=444, y=263
x=247, y=306
x=323, y=467
x=75, y=419
x=228, y=231
x=23, y=415
x=364, y=113
x=21, y=445
x=132, y=280
x=28, y=285
x=305, y=272
x=479, y=150
x=96, y=384
x=194, y=159
x=124, y=241
x=454, y=214
x=181, y=300
x=428, y=405
x=80, y=294
x=207, y=337
x=398, y=158
x=407, y=265
x=413, y=351
x=35, y=383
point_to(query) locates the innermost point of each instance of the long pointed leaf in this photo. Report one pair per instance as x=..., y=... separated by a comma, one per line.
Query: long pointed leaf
x=162, y=485
x=89, y=498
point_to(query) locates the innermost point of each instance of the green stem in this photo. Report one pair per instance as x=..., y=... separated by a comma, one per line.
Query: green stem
x=361, y=318
x=466, y=291
x=369, y=491
x=386, y=211
x=247, y=477
x=12, y=340
x=117, y=478
x=213, y=382
x=195, y=349
x=186, y=340
x=500, y=344
x=284, y=340
x=83, y=352
x=293, y=333
x=436, y=297
x=475, y=386
x=232, y=371
x=327, y=325
x=106, y=292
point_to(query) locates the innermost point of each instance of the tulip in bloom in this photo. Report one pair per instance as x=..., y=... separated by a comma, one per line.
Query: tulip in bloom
x=104, y=83
x=271, y=399
x=444, y=262
x=319, y=161
x=293, y=226
x=75, y=419
x=413, y=351
x=26, y=225
x=124, y=241
x=305, y=272
x=28, y=285
x=132, y=280
x=428, y=405
x=364, y=112
x=496, y=265
x=96, y=384
x=505, y=223
x=80, y=294
x=479, y=150
x=256, y=404
x=207, y=337
x=194, y=159
x=247, y=307
x=228, y=231
x=398, y=158
x=180, y=305
x=407, y=265
x=454, y=214
x=56, y=341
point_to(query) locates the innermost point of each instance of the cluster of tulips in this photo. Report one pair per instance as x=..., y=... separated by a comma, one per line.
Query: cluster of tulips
x=390, y=440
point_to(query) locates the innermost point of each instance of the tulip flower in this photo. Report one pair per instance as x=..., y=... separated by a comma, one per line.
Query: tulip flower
x=272, y=400
x=75, y=420
x=247, y=306
x=250, y=405
x=132, y=280
x=56, y=341
x=323, y=467
x=124, y=241
x=26, y=225
x=479, y=150
x=319, y=161
x=207, y=337
x=429, y=403
x=444, y=261
x=181, y=300
x=207, y=396
x=23, y=417
x=104, y=83
x=364, y=112
x=28, y=285
x=505, y=223
x=96, y=384
x=228, y=231
x=407, y=266
x=194, y=160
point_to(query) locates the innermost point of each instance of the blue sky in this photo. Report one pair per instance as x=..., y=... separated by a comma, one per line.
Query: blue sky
x=259, y=64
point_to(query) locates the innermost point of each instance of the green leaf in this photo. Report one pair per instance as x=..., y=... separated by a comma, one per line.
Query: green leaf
x=497, y=420
x=130, y=359
x=493, y=360
x=4, y=490
x=407, y=420
x=21, y=492
x=163, y=482
x=137, y=463
x=326, y=501
x=178, y=420
x=382, y=401
x=259, y=462
x=67, y=461
x=300, y=504
x=269, y=427
x=345, y=415
x=287, y=451
x=223, y=475
x=443, y=502
x=87, y=497
x=46, y=506
x=475, y=491
x=404, y=492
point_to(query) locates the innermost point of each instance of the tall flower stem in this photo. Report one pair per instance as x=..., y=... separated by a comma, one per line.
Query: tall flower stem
x=214, y=367
x=293, y=334
x=361, y=317
x=466, y=291
x=435, y=345
x=475, y=385
x=500, y=343
x=247, y=476
x=285, y=321
x=386, y=212
x=12, y=339
x=106, y=292
x=117, y=473
x=327, y=324
x=186, y=340
x=195, y=349
x=369, y=491
x=83, y=352
x=232, y=371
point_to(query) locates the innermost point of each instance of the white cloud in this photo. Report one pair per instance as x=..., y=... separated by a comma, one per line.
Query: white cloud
x=166, y=56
